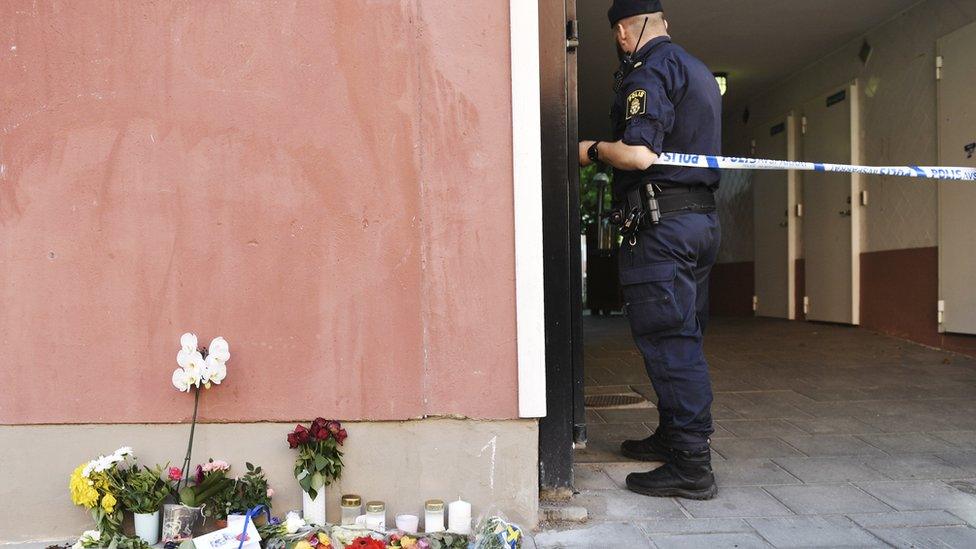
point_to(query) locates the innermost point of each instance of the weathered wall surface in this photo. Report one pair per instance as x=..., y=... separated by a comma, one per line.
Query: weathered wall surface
x=402, y=463
x=327, y=185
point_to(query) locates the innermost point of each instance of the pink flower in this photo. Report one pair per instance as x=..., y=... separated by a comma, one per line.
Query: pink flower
x=270, y=493
x=175, y=473
x=218, y=465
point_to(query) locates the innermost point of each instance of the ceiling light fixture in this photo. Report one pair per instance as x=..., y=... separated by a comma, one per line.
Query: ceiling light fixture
x=722, y=78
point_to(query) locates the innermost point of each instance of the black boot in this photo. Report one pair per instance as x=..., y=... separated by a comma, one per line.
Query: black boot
x=652, y=448
x=686, y=475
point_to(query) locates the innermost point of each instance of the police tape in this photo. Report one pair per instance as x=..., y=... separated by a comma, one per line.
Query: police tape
x=734, y=163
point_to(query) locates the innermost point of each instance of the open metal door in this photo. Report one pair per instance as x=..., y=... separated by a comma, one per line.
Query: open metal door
x=774, y=219
x=564, y=423
x=832, y=208
x=957, y=199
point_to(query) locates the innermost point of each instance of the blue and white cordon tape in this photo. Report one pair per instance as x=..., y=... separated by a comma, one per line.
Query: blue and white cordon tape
x=733, y=163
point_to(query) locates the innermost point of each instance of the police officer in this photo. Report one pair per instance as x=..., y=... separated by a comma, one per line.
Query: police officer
x=666, y=100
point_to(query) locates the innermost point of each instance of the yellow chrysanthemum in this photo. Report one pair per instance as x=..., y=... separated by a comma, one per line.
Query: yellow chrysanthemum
x=82, y=491
x=101, y=481
x=407, y=541
x=324, y=540
x=303, y=545
x=108, y=503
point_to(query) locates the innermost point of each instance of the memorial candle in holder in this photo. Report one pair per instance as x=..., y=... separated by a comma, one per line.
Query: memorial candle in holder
x=352, y=507
x=433, y=516
x=459, y=517
x=376, y=515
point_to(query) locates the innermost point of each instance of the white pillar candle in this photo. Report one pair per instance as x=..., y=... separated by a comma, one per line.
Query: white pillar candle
x=459, y=517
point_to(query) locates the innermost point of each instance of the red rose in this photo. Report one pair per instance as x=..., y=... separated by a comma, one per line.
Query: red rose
x=319, y=432
x=298, y=436
x=341, y=436
x=334, y=427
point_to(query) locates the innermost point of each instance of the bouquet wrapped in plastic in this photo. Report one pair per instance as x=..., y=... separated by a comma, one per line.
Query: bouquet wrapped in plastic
x=496, y=532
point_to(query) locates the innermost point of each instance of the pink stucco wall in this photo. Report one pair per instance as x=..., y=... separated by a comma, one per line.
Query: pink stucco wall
x=325, y=184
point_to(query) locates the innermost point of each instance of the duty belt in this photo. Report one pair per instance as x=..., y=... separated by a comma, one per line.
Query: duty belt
x=677, y=199
x=648, y=202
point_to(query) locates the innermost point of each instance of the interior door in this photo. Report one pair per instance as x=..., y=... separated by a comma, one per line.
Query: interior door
x=957, y=199
x=774, y=199
x=831, y=226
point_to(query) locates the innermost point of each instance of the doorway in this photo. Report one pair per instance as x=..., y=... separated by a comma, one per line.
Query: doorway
x=832, y=208
x=957, y=147
x=775, y=222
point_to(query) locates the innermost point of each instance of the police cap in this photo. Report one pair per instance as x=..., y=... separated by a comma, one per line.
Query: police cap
x=622, y=9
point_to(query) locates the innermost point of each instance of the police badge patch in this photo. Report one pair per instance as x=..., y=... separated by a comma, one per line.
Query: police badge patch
x=636, y=103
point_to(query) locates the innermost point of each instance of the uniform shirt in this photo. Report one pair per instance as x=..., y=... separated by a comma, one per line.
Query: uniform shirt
x=669, y=102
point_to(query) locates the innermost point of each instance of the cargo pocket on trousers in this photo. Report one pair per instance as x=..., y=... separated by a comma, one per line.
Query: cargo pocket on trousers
x=649, y=297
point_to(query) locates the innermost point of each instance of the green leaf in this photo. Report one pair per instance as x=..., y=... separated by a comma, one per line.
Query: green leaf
x=320, y=463
x=188, y=497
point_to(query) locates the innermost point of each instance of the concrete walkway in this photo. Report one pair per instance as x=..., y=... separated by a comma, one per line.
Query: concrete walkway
x=825, y=436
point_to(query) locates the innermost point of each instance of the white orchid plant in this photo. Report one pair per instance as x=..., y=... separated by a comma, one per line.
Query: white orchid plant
x=199, y=367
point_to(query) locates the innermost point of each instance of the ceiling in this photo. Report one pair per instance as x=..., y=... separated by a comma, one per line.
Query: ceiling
x=758, y=42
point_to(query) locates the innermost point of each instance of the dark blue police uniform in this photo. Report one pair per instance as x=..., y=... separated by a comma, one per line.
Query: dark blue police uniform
x=671, y=102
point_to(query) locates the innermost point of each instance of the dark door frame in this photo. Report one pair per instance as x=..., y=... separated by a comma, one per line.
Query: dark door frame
x=565, y=422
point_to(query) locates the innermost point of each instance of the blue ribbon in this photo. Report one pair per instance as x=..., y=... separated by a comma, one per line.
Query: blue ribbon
x=247, y=519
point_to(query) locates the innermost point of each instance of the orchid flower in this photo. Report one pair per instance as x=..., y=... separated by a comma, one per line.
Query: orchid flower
x=219, y=349
x=214, y=370
x=180, y=380
x=188, y=342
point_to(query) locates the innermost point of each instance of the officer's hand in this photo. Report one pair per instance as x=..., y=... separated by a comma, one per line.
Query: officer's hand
x=584, y=147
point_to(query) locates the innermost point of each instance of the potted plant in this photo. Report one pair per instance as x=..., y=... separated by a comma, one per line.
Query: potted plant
x=199, y=368
x=250, y=490
x=142, y=491
x=209, y=480
x=318, y=464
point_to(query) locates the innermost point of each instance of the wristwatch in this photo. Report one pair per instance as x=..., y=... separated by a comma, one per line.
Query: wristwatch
x=593, y=153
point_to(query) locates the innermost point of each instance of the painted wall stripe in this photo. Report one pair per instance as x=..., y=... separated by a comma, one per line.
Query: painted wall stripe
x=527, y=181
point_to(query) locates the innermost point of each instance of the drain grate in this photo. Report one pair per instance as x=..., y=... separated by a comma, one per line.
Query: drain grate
x=611, y=401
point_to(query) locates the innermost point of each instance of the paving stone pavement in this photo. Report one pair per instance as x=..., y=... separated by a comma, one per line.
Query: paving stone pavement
x=826, y=436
